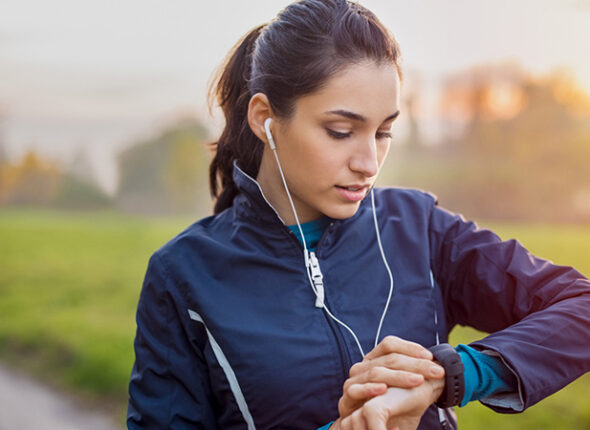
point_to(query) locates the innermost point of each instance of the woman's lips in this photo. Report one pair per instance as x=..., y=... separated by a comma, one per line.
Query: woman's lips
x=353, y=193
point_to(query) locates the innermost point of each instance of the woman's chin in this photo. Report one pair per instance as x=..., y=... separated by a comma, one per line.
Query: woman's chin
x=343, y=211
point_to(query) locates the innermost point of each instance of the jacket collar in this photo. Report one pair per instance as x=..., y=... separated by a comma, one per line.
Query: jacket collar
x=253, y=203
x=251, y=200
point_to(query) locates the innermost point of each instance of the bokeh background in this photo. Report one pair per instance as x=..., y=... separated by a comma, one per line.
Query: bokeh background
x=104, y=127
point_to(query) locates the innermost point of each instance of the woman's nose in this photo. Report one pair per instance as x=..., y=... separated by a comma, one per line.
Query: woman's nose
x=364, y=159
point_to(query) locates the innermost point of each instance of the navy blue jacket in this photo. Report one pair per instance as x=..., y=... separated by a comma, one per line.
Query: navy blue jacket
x=228, y=336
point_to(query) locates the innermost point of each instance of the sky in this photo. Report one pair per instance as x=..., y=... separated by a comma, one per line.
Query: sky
x=96, y=76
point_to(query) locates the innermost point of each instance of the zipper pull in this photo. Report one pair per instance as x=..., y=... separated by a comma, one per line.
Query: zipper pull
x=317, y=278
x=443, y=419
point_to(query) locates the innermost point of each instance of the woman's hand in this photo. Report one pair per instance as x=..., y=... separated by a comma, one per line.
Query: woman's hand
x=394, y=363
x=398, y=408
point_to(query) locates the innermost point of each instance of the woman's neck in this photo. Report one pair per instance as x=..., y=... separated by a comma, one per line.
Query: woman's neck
x=269, y=179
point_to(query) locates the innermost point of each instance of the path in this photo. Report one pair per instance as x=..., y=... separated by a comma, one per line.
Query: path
x=26, y=404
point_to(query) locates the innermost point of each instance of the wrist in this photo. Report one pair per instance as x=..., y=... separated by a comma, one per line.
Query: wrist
x=437, y=386
x=454, y=380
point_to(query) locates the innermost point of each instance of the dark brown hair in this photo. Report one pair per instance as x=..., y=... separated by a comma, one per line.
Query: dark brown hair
x=293, y=55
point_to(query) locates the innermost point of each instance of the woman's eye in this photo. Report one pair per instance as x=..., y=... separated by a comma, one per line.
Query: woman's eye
x=338, y=134
x=384, y=135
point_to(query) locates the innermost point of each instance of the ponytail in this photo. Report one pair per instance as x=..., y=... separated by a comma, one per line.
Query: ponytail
x=298, y=51
x=237, y=141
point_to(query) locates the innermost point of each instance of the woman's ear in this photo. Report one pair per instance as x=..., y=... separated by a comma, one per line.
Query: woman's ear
x=258, y=111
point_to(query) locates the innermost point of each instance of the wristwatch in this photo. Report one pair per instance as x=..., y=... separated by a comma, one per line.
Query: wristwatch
x=450, y=360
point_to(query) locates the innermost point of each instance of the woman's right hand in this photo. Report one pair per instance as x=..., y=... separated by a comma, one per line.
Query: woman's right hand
x=398, y=408
x=393, y=363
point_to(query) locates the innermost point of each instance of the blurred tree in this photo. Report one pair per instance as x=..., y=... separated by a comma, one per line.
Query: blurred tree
x=3, y=155
x=568, y=91
x=82, y=168
x=77, y=194
x=522, y=152
x=482, y=93
x=184, y=167
x=166, y=174
x=33, y=181
x=414, y=139
x=80, y=189
x=412, y=105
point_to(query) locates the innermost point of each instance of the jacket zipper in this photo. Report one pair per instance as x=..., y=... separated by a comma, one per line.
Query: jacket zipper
x=345, y=357
x=447, y=422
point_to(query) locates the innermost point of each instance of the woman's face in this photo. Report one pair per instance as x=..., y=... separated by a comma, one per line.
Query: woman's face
x=333, y=146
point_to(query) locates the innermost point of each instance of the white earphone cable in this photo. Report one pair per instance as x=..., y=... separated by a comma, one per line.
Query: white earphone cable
x=274, y=151
x=358, y=344
x=386, y=266
x=306, y=251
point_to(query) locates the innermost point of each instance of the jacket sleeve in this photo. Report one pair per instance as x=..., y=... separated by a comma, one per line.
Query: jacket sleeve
x=537, y=312
x=169, y=386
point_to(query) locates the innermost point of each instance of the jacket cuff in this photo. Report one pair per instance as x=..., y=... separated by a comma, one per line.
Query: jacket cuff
x=505, y=402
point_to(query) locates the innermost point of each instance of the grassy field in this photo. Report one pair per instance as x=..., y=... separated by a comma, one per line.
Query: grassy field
x=69, y=284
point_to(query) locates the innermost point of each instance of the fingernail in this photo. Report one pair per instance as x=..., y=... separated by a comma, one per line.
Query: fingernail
x=378, y=390
x=426, y=354
x=436, y=370
x=414, y=379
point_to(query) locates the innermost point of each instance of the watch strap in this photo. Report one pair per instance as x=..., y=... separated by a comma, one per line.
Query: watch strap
x=450, y=360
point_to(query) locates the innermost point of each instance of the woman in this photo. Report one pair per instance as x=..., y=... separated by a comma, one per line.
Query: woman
x=254, y=317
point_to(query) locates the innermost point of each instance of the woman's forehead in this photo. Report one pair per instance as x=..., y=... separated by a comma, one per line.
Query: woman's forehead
x=368, y=89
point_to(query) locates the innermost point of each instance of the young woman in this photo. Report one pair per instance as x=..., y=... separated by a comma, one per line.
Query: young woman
x=312, y=299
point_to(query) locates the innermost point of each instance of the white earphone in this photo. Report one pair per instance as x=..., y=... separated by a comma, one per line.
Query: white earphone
x=271, y=141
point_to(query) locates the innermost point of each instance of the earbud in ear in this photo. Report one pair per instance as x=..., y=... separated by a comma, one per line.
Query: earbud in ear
x=271, y=141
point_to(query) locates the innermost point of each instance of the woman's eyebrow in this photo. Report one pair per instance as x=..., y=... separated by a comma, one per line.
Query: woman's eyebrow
x=392, y=117
x=358, y=117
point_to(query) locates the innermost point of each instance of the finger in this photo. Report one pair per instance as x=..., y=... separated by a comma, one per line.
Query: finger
x=396, y=361
x=390, y=377
x=365, y=391
x=395, y=344
x=374, y=417
x=346, y=423
x=357, y=394
x=358, y=421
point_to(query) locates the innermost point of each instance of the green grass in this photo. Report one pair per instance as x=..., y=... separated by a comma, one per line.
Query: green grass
x=69, y=285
